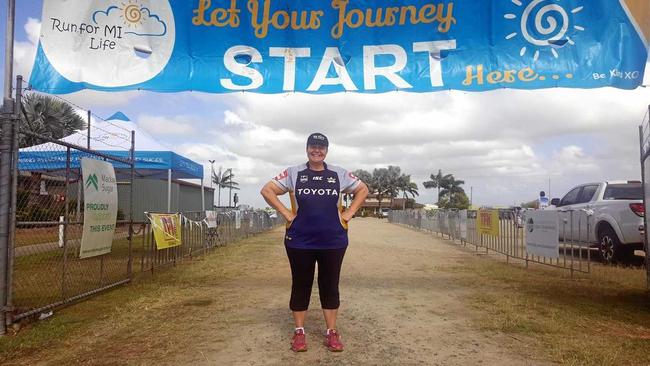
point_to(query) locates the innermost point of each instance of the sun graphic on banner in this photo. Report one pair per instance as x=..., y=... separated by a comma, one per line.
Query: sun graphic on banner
x=543, y=26
x=131, y=13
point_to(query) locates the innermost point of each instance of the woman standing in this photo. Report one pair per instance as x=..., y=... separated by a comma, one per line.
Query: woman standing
x=316, y=233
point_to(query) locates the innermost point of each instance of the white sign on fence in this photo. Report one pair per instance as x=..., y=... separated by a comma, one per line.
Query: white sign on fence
x=237, y=219
x=542, y=232
x=463, y=224
x=100, y=207
x=211, y=218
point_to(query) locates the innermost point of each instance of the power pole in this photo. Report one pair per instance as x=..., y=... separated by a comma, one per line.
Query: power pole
x=211, y=171
x=212, y=175
x=230, y=189
x=471, y=194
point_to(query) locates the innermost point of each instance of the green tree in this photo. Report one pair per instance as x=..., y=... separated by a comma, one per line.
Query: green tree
x=457, y=200
x=386, y=182
x=379, y=182
x=47, y=116
x=435, y=182
x=450, y=191
x=365, y=177
x=450, y=186
x=408, y=188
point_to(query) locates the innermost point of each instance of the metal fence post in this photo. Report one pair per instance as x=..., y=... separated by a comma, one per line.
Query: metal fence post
x=643, y=156
x=6, y=144
x=7, y=117
x=129, y=266
x=14, y=199
x=65, y=226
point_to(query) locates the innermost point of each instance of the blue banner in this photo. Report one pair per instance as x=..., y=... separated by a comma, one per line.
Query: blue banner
x=150, y=164
x=275, y=46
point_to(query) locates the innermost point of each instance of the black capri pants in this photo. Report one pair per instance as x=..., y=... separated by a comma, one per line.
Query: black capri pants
x=303, y=263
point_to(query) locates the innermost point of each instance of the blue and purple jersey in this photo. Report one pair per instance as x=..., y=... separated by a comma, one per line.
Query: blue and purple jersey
x=316, y=198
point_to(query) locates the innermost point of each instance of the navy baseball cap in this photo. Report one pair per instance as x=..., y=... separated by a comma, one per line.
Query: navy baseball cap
x=317, y=139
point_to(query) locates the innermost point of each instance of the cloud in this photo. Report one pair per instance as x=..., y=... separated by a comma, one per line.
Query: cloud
x=160, y=125
x=139, y=21
x=505, y=144
x=25, y=51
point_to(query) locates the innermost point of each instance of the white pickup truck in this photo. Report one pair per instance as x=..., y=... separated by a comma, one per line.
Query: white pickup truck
x=606, y=215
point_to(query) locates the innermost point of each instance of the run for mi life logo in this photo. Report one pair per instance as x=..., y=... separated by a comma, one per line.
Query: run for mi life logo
x=92, y=181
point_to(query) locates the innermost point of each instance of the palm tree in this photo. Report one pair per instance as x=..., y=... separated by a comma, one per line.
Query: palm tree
x=395, y=181
x=386, y=183
x=435, y=182
x=451, y=186
x=450, y=192
x=379, y=182
x=366, y=178
x=408, y=188
x=47, y=116
x=231, y=184
x=224, y=179
x=446, y=184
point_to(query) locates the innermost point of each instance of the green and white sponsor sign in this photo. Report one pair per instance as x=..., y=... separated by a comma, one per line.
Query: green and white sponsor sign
x=100, y=207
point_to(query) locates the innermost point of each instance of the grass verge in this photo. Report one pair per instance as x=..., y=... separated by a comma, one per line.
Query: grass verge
x=136, y=323
x=598, y=319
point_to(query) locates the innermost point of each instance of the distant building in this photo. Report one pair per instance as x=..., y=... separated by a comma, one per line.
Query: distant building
x=371, y=205
x=42, y=197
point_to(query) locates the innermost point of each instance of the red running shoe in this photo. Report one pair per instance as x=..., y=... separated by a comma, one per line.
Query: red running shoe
x=299, y=341
x=333, y=341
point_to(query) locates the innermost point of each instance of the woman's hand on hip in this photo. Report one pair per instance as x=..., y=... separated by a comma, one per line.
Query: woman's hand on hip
x=289, y=216
x=347, y=216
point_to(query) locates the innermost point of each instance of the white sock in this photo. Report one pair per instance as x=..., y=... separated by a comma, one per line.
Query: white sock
x=300, y=328
x=329, y=331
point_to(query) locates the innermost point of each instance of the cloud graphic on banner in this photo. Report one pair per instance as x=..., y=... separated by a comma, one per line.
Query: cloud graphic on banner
x=120, y=42
x=139, y=18
x=544, y=25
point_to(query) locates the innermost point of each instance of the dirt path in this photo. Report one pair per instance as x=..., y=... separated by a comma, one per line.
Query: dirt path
x=401, y=304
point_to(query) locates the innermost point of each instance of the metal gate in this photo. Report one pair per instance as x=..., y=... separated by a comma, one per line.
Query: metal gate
x=41, y=221
x=47, y=269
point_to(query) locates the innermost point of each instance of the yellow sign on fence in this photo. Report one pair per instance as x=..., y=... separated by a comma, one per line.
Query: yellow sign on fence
x=487, y=222
x=166, y=230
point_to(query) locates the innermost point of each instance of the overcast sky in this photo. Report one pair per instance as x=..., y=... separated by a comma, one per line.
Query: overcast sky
x=505, y=144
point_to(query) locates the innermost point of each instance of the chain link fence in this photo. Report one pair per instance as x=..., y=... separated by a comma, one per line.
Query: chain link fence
x=199, y=236
x=461, y=227
x=47, y=268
